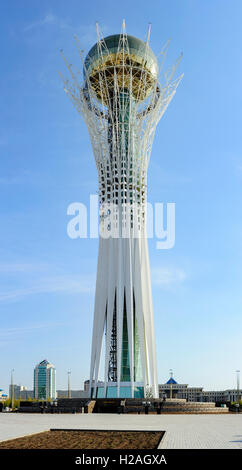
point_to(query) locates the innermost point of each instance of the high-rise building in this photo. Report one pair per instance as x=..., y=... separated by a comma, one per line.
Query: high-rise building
x=16, y=390
x=44, y=381
x=122, y=99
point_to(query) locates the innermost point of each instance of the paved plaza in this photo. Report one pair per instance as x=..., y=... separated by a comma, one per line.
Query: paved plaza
x=181, y=431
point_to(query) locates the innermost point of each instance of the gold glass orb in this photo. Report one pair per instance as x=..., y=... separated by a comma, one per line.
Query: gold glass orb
x=131, y=67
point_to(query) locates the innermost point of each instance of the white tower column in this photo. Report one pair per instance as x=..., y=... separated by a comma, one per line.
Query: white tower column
x=122, y=99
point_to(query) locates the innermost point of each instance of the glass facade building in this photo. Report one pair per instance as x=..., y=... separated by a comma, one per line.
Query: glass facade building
x=44, y=381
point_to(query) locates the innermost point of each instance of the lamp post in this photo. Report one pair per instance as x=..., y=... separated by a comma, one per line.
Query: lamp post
x=238, y=388
x=146, y=404
x=171, y=374
x=69, y=385
x=12, y=389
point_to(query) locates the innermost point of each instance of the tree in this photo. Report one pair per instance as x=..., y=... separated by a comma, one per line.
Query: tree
x=148, y=392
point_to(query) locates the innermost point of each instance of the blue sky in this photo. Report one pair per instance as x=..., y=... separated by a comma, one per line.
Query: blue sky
x=47, y=281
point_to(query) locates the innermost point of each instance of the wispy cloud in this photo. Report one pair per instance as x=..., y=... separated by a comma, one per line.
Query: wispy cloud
x=3, y=141
x=8, y=332
x=20, y=178
x=239, y=168
x=168, y=276
x=86, y=32
x=8, y=335
x=22, y=267
x=5, y=180
x=169, y=177
x=48, y=19
x=58, y=284
x=29, y=178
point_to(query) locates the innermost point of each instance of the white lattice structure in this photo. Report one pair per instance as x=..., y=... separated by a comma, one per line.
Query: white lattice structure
x=121, y=99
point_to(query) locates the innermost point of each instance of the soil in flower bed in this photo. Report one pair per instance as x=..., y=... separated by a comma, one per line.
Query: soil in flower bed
x=87, y=440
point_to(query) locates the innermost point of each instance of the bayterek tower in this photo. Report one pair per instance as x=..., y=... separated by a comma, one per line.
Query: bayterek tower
x=122, y=97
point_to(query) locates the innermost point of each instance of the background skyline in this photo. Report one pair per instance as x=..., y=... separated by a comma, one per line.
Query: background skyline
x=47, y=281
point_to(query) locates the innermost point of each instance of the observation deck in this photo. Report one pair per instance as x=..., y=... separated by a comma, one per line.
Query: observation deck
x=129, y=65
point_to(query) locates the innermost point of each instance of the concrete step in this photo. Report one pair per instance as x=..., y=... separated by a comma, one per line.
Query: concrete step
x=191, y=404
x=208, y=411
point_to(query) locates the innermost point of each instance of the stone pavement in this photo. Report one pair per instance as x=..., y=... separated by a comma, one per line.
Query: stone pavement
x=182, y=431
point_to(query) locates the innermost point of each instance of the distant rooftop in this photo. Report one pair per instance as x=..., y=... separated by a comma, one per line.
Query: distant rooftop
x=171, y=381
x=42, y=363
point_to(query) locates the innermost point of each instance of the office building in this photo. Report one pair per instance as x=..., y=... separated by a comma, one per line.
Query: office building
x=44, y=381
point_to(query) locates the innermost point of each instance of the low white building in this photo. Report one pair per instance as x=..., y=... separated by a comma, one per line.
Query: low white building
x=3, y=396
x=172, y=389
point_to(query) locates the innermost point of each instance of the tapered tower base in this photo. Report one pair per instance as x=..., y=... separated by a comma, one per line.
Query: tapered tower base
x=124, y=316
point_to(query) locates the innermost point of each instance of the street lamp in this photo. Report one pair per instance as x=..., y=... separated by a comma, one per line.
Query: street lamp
x=69, y=385
x=238, y=388
x=12, y=389
x=171, y=374
x=146, y=404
